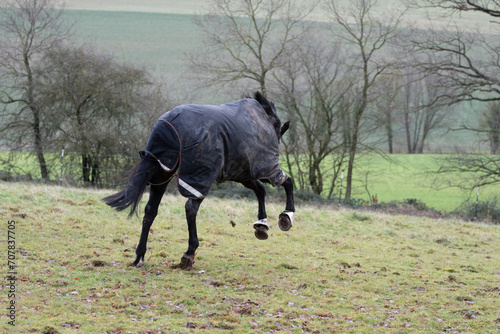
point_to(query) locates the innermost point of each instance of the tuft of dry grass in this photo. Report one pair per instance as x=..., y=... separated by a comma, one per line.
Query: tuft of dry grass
x=334, y=271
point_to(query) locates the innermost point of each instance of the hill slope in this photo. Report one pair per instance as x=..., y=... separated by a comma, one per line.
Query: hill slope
x=335, y=270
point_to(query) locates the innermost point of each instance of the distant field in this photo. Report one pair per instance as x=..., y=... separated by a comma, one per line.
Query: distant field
x=401, y=177
x=199, y=7
x=409, y=176
x=158, y=42
x=157, y=33
x=156, y=6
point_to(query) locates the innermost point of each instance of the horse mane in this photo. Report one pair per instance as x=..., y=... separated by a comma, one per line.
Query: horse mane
x=270, y=110
x=265, y=103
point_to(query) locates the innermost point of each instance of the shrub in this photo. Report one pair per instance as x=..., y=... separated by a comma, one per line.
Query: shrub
x=488, y=210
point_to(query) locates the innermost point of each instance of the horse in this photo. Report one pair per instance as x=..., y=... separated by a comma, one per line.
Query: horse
x=202, y=145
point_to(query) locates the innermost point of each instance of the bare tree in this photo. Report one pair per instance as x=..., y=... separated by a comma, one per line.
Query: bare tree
x=490, y=7
x=367, y=36
x=247, y=39
x=387, y=105
x=314, y=88
x=468, y=171
x=421, y=113
x=100, y=108
x=490, y=124
x=464, y=57
x=466, y=61
x=28, y=29
x=406, y=100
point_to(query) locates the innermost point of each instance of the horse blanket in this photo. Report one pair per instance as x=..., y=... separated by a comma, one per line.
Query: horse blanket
x=230, y=142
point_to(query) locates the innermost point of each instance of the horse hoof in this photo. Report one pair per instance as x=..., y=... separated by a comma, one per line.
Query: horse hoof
x=261, y=227
x=261, y=233
x=137, y=263
x=285, y=220
x=187, y=263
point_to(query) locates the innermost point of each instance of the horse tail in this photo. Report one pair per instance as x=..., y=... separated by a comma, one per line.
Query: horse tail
x=140, y=176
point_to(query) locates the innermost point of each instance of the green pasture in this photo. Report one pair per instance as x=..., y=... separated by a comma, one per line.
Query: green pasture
x=158, y=42
x=155, y=6
x=199, y=7
x=399, y=177
x=412, y=176
x=394, y=178
x=158, y=35
x=336, y=270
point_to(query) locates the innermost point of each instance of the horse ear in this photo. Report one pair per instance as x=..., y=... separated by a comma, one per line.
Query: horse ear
x=285, y=127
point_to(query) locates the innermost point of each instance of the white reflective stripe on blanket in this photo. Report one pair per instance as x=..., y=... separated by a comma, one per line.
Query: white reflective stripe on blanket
x=193, y=191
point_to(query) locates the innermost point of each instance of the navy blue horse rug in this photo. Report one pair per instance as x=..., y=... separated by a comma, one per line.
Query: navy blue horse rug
x=237, y=141
x=230, y=142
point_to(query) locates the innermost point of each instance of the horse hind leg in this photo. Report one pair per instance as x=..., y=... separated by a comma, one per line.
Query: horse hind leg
x=150, y=212
x=187, y=260
x=285, y=219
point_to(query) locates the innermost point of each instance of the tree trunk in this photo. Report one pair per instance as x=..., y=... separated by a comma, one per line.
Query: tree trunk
x=420, y=149
x=39, y=147
x=38, y=141
x=86, y=166
x=408, y=135
x=355, y=127
x=95, y=173
x=353, y=148
x=316, y=178
x=495, y=146
x=390, y=134
x=350, y=167
x=95, y=166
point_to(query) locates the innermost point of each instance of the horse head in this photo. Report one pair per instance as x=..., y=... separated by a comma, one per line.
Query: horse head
x=271, y=112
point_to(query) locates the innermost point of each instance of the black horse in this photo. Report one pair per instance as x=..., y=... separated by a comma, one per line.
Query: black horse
x=237, y=141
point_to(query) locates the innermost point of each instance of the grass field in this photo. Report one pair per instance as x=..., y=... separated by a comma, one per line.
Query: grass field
x=181, y=7
x=401, y=177
x=335, y=271
x=158, y=42
x=155, y=6
x=199, y=7
x=157, y=34
x=408, y=176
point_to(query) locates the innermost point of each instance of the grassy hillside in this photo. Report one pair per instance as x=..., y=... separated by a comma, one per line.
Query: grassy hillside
x=158, y=42
x=157, y=34
x=155, y=6
x=336, y=270
x=468, y=19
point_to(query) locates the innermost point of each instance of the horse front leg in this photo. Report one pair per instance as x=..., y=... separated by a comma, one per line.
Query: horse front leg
x=261, y=226
x=150, y=212
x=187, y=260
x=286, y=217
